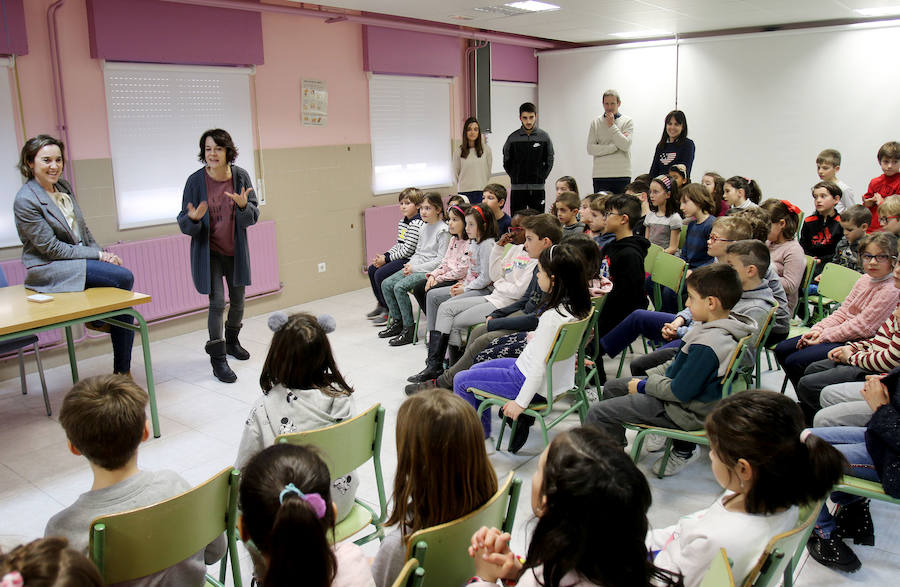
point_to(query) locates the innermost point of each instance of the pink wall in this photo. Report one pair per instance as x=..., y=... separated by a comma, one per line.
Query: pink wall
x=511, y=63
x=410, y=52
x=13, y=40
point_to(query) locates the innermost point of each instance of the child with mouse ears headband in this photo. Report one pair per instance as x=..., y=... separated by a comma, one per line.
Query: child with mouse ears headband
x=286, y=517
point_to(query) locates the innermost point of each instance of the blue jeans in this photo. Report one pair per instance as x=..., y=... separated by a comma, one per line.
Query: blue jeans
x=498, y=376
x=794, y=361
x=379, y=274
x=851, y=441
x=101, y=274
x=635, y=324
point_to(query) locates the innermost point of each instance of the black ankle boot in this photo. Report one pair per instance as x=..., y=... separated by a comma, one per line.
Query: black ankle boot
x=854, y=521
x=833, y=553
x=405, y=337
x=521, y=436
x=216, y=351
x=414, y=388
x=394, y=328
x=233, y=346
x=437, y=348
x=455, y=353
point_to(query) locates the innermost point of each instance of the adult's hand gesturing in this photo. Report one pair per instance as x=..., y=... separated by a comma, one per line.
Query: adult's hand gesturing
x=197, y=213
x=241, y=198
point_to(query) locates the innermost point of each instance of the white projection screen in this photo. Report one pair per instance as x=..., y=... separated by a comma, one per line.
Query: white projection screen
x=760, y=105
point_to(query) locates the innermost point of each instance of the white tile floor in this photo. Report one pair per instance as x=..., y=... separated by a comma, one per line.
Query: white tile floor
x=202, y=419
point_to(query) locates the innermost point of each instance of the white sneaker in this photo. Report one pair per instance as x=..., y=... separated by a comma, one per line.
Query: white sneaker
x=654, y=442
x=676, y=463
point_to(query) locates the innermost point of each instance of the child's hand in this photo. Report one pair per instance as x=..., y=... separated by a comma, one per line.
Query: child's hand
x=875, y=393
x=457, y=289
x=512, y=410
x=407, y=269
x=840, y=354
x=493, y=559
x=491, y=540
x=808, y=338
x=379, y=261
x=633, y=386
x=877, y=198
x=670, y=329
x=505, y=239
x=819, y=276
x=671, y=251
x=429, y=283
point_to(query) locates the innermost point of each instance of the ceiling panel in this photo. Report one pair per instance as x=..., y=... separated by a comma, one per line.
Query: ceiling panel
x=595, y=20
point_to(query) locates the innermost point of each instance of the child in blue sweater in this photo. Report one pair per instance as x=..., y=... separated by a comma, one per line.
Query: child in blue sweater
x=680, y=393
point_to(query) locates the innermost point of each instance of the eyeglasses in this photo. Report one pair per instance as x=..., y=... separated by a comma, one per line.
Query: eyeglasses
x=716, y=239
x=867, y=258
x=886, y=219
x=608, y=214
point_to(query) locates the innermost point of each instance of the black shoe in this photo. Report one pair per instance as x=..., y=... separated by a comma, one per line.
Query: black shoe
x=233, y=346
x=393, y=329
x=454, y=354
x=854, y=521
x=405, y=337
x=381, y=320
x=414, y=388
x=833, y=553
x=216, y=351
x=426, y=374
x=521, y=436
x=378, y=311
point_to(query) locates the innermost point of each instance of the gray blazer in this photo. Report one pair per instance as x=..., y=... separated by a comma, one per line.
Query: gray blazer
x=54, y=260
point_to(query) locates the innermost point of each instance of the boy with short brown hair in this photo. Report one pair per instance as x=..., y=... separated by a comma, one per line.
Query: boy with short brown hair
x=886, y=184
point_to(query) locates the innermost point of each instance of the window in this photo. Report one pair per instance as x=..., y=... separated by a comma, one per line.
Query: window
x=156, y=116
x=10, y=178
x=410, y=121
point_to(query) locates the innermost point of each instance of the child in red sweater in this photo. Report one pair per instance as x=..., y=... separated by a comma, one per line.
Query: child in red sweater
x=886, y=184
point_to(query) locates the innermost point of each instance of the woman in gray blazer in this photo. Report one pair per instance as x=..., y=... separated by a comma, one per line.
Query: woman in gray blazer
x=217, y=207
x=58, y=250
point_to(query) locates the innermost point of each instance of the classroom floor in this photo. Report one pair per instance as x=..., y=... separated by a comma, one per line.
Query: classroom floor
x=202, y=420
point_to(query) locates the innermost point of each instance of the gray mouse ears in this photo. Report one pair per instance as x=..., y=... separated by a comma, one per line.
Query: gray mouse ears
x=279, y=319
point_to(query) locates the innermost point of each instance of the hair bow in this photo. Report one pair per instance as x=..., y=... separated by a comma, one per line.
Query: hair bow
x=313, y=500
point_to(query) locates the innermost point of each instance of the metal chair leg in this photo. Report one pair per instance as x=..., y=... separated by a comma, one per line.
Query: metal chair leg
x=22, y=372
x=40, y=368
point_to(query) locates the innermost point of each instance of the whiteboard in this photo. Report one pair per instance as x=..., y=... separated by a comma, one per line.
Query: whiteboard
x=761, y=105
x=506, y=97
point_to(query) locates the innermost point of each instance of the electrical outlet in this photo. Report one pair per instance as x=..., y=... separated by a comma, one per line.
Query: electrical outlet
x=322, y=267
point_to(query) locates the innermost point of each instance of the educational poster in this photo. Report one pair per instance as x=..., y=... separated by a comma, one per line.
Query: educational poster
x=314, y=109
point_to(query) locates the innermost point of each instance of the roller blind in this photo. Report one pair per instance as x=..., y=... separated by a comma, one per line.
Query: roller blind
x=10, y=179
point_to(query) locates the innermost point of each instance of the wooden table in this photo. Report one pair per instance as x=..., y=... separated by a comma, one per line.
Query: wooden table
x=19, y=317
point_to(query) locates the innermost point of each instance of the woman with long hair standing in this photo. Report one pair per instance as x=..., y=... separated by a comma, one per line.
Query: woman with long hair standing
x=472, y=162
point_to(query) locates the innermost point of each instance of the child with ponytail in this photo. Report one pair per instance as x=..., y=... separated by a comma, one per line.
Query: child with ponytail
x=287, y=513
x=741, y=192
x=758, y=457
x=47, y=562
x=584, y=483
x=786, y=253
x=663, y=222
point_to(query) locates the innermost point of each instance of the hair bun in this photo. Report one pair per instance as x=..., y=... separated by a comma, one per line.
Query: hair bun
x=277, y=320
x=326, y=321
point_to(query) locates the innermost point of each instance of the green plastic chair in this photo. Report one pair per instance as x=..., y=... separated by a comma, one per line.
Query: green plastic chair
x=834, y=287
x=411, y=575
x=668, y=271
x=719, y=573
x=443, y=550
x=583, y=374
x=347, y=447
x=567, y=343
x=783, y=552
x=682, y=236
x=864, y=488
x=731, y=383
x=759, y=345
x=802, y=309
x=650, y=259
x=140, y=542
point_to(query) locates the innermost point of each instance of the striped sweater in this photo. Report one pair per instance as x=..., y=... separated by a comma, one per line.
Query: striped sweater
x=455, y=263
x=407, y=239
x=880, y=353
x=867, y=306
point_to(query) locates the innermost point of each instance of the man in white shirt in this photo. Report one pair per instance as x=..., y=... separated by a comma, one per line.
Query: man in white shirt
x=609, y=142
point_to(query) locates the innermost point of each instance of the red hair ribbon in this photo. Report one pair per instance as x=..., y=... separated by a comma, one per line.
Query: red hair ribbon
x=790, y=206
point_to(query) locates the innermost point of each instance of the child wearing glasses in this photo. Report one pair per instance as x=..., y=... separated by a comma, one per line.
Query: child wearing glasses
x=889, y=215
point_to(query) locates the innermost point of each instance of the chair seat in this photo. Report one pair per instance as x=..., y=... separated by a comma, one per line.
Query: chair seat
x=697, y=433
x=358, y=518
x=8, y=346
x=488, y=395
x=865, y=488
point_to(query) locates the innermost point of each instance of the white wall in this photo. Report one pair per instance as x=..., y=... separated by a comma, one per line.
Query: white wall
x=760, y=105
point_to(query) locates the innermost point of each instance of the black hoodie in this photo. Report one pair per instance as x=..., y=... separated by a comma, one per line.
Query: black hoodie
x=623, y=264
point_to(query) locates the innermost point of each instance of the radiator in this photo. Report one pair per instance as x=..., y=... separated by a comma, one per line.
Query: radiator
x=381, y=229
x=162, y=268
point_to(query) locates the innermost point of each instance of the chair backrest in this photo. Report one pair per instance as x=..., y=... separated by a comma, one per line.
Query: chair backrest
x=719, y=573
x=779, y=552
x=803, y=295
x=730, y=383
x=668, y=271
x=765, y=328
x=442, y=550
x=837, y=281
x=682, y=237
x=568, y=339
x=650, y=259
x=411, y=575
x=147, y=540
x=348, y=444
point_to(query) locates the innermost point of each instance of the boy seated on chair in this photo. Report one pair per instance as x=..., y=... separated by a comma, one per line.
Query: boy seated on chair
x=104, y=419
x=680, y=393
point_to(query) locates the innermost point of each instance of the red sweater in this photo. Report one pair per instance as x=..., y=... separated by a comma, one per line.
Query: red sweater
x=885, y=186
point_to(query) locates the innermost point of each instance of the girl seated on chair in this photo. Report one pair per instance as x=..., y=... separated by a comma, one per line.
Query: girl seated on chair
x=584, y=483
x=303, y=389
x=443, y=473
x=287, y=512
x=561, y=275
x=766, y=470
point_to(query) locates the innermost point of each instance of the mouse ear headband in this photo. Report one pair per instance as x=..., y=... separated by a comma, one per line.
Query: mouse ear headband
x=278, y=319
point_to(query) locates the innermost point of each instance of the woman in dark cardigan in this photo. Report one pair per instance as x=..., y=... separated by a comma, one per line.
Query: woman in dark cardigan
x=873, y=453
x=217, y=207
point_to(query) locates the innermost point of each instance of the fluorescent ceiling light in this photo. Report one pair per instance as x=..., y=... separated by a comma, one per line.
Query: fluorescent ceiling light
x=642, y=34
x=879, y=11
x=532, y=6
